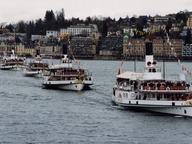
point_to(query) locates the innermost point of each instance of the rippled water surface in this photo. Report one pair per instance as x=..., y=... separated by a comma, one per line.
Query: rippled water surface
x=32, y=115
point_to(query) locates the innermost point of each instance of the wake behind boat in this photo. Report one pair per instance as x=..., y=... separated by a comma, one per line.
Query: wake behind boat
x=151, y=91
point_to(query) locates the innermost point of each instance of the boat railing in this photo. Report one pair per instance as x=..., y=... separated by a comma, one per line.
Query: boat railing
x=165, y=91
x=59, y=78
x=125, y=86
x=164, y=96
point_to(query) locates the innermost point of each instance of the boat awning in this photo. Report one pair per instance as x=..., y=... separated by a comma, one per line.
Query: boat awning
x=130, y=75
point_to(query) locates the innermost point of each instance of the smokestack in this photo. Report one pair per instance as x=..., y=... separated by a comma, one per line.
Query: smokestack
x=148, y=48
x=64, y=49
x=37, y=52
x=148, y=54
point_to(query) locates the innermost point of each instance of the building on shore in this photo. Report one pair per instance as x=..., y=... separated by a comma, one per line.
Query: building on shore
x=161, y=19
x=80, y=29
x=37, y=37
x=21, y=51
x=54, y=50
x=52, y=33
x=162, y=49
x=187, y=50
x=133, y=48
x=111, y=46
x=189, y=22
x=83, y=47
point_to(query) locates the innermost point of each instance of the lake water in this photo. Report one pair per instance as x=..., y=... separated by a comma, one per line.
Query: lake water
x=32, y=115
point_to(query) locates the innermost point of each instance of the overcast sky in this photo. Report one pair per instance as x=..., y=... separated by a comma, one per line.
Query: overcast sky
x=15, y=10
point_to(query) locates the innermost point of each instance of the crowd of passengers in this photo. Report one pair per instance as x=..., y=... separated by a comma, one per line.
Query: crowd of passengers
x=39, y=65
x=13, y=61
x=155, y=85
x=68, y=72
x=166, y=85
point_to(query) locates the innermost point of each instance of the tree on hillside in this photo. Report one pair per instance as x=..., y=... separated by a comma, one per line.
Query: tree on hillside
x=88, y=20
x=133, y=21
x=20, y=27
x=50, y=20
x=60, y=19
x=39, y=27
x=168, y=25
x=181, y=17
x=104, y=28
x=30, y=29
x=139, y=26
x=9, y=27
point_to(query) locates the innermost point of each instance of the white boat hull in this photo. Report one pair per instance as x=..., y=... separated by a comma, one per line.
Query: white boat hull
x=32, y=73
x=72, y=87
x=14, y=67
x=174, y=110
x=182, y=111
x=64, y=85
x=87, y=84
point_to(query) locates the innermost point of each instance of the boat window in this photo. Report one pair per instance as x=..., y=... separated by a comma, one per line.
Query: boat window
x=154, y=70
x=149, y=70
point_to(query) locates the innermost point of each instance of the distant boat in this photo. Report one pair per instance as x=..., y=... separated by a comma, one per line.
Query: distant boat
x=11, y=62
x=151, y=91
x=35, y=68
x=66, y=77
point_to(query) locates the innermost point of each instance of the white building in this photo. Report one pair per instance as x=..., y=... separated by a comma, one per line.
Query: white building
x=51, y=33
x=160, y=19
x=189, y=22
x=37, y=37
x=79, y=29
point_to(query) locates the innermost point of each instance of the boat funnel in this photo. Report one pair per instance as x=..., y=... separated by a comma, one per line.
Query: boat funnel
x=149, y=54
x=37, y=52
x=64, y=48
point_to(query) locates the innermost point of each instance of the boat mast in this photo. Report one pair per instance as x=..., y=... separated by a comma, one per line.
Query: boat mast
x=135, y=57
x=163, y=59
x=135, y=60
x=135, y=64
